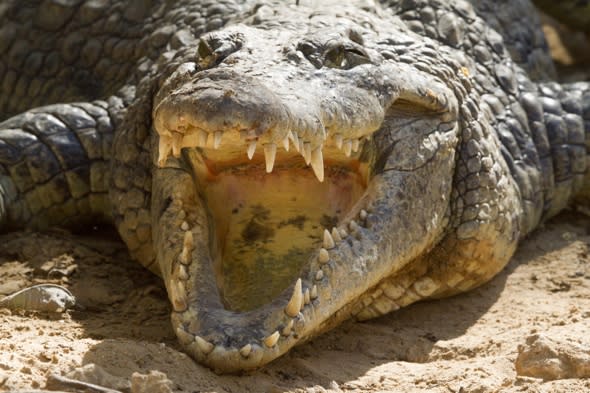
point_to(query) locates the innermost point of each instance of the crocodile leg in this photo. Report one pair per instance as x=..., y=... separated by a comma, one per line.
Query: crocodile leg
x=53, y=165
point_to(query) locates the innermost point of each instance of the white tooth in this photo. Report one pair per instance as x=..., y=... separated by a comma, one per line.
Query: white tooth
x=355, y=145
x=177, y=293
x=245, y=350
x=205, y=346
x=319, y=275
x=270, y=152
x=203, y=135
x=217, y=139
x=251, y=149
x=287, y=329
x=317, y=163
x=176, y=143
x=353, y=226
x=307, y=152
x=164, y=149
x=363, y=214
x=294, y=305
x=338, y=139
x=300, y=149
x=347, y=147
x=286, y=142
x=343, y=233
x=306, y=296
x=187, y=248
x=295, y=140
x=271, y=340
x=184, y=226
x=336, y=235
x=324, y=256
x=314, y=292
x=182, y=273
x=328, y=240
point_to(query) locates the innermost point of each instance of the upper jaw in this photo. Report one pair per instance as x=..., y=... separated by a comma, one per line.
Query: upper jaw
x=369, y=243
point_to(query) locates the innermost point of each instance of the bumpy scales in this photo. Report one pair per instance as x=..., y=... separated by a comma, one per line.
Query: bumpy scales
x=286, y=167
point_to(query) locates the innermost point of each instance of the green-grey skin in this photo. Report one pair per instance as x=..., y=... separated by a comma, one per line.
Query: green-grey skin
x=469, y=144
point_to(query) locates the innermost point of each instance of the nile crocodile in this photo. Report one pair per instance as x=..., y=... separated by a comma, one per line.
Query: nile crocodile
x=283, y=166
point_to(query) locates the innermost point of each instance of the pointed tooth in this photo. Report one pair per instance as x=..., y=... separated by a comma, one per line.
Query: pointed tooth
x=363, y=214
x=164, y=149
x=355, y=145
x=187, y=248
x=324, y=256
x=319, y=275
x=286, y=142
x=354, y=227
x=336, y=235
x=177, y=294
x=182, y=274
x=328, y=240
x=203, y=135
x=271, y=341
x=294, y=305
x=306, y=296
x=205, y=346
x=347, y=146
x=307, y=152
x=245, y=350
x=338, y=139
x=317, y=163
x=176, y=143
x=184, y=226
x=287, y=329
x=217, y=139
x=270, y=152
x=251, y=149
x=295, y=140
x=314, y=292
x=343, y=233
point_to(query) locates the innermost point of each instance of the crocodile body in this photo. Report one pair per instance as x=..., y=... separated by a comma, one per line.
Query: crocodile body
x=286, y=167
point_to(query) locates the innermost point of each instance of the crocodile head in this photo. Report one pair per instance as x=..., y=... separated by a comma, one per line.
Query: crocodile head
x=299, y=163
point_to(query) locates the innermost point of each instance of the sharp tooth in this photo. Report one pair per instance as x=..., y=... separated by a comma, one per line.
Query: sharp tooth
x=176, y=143
x=355, y=145
x=187, y=248
x=271, y=340
x=295, y=140
x=324, y=256
x=300, y=149
x=287, y=329
x=294, y=305
x=328, y=240
x=205, y=346
x=217, y=139
x=347, y=147
x=338, y=139
x=251, y=149
x=184, y=226
x=182, y=273
x=164, y=149
x=306, y=296
x=270, y=152
x=336, y=235
x=286, y=142
x=203, y=135
x=353, y=226
x=343, y=233
x=307, y=152
x=314, y=292
x=245, y=350
x=177, y=293
x=317, y=163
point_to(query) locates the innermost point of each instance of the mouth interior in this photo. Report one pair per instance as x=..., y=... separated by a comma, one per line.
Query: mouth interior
x=266, y=225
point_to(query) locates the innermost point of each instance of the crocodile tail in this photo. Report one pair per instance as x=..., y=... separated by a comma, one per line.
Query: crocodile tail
x=53, y=165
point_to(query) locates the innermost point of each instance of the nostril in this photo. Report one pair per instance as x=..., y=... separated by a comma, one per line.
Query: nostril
x=215, y=47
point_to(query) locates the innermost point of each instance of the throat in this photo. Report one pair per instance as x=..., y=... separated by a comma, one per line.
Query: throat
x=268, y=224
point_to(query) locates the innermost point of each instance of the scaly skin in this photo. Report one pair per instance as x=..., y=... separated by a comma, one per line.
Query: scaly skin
x=444, y=116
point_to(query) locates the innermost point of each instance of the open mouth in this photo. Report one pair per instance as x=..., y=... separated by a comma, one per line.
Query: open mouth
x=271, y=206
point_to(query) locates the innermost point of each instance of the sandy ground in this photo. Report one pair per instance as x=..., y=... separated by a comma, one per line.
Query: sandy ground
x=468, y=343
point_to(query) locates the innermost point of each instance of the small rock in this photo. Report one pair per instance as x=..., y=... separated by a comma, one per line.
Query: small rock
x=154, y=382
x=552, y=358
x=96, y=375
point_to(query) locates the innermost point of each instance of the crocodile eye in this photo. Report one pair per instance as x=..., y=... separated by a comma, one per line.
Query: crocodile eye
x=344, y=57
x=215, y=47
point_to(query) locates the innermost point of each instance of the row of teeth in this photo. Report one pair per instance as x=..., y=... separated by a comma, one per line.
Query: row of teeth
x=299, y=299
x=312, y=156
